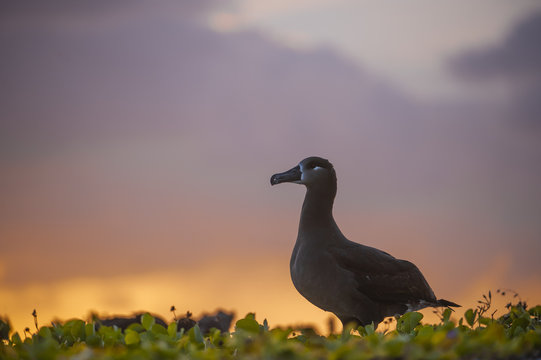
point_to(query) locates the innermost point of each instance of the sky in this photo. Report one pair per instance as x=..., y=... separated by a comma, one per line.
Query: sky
x=137, y=142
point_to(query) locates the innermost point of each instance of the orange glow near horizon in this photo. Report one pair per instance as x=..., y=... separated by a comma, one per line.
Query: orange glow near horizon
x=261, y=286
x=137, y=142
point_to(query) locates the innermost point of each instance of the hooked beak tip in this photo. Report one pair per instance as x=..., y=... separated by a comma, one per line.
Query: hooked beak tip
x=293, y=175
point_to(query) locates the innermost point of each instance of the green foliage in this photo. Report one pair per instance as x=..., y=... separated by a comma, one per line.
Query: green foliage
x=147, y=321
x=131, y=337
x=407, y=322
x=5, y=328
x=248, y=324
x=516, y=334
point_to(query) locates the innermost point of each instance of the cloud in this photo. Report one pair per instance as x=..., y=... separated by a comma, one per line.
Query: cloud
x=55, y=10
x=183, y=119
x=140, y=144
x=174, y=76
x=517, y=62
x=517, y=57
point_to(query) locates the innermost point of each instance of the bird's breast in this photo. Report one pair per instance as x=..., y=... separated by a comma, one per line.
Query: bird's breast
x=316, y=276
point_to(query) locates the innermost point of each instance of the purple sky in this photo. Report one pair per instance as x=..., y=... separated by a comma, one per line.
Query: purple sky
x=136, y=139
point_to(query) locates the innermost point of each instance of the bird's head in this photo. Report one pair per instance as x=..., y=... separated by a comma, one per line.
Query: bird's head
x=312, y=171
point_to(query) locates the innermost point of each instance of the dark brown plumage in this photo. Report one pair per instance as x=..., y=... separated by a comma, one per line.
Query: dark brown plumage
x=357, y=283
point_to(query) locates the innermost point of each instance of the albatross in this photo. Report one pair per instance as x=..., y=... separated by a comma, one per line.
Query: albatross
x=357, y=283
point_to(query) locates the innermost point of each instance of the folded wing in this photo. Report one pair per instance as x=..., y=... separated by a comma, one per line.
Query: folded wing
x=395, y=285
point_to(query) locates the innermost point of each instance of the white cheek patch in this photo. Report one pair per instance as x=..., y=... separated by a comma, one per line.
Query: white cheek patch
x=303, y=176
x=301, y=181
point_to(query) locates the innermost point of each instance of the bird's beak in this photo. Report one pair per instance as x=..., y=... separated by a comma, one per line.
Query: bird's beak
x=292, y=175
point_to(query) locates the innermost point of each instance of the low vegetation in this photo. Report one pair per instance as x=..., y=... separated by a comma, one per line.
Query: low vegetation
x=477, y=335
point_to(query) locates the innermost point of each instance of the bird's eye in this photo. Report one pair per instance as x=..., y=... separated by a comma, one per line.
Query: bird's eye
x=311, y=166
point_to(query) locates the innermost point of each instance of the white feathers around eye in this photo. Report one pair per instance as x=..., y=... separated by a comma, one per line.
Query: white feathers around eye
x=307, y=173
x=303, y=168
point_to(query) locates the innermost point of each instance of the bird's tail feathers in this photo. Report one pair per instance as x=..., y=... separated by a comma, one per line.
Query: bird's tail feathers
x=443, y=302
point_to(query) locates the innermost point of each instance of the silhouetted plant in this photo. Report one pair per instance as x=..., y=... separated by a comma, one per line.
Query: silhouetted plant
x=5, y=329
x=516, y=335
x=35, y=315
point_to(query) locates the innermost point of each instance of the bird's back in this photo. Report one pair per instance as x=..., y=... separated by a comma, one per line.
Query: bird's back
x=397, y=285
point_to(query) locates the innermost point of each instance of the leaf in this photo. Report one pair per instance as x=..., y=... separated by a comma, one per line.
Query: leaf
x=78, y=329
x=5, y=328
x=195, y=335
x=366, y=330
x=158, y=329
x=370, y=328
x=484, y=320
x=446, y=314
x=105, y=330
x=535, y=311
x=131, y=337
x=90, y=329
x=16, y=339
x=147, y=321
x=469, y=315
x=172, y=330
x=523, y=321
x=247, y=324
x=425, y=333
x=45, y=332
x=93, y=340
x=407, y=322
x=136, y=327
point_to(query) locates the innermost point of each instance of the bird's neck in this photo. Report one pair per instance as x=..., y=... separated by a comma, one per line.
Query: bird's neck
x=317, y=207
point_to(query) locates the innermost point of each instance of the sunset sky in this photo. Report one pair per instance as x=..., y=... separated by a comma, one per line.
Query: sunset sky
x=137, y=141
